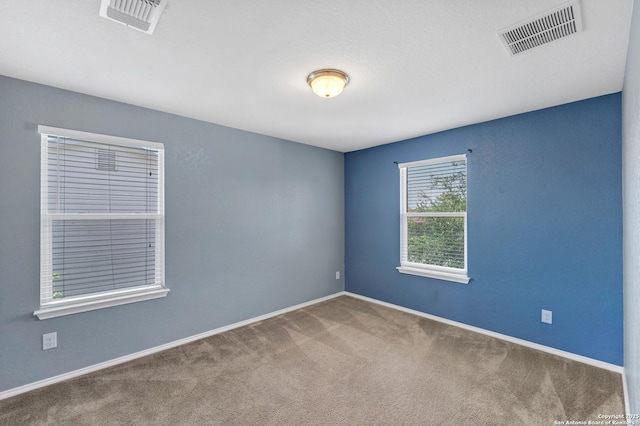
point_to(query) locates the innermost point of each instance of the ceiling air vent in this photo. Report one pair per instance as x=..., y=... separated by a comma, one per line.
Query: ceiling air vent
x=542, y=29
x=142, y=15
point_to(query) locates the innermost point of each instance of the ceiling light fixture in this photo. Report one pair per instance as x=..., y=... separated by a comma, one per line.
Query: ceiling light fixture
x=327, y=83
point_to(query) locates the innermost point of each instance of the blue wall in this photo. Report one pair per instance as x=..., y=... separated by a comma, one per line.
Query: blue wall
x=253, y=224
x=544, y=227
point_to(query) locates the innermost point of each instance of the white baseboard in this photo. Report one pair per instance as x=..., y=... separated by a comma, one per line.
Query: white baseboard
x=90, y=369
x=625, y=390
x=543, y=348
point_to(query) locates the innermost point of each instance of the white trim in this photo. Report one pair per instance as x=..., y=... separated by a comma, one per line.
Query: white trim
x=46, y=268
x=75, y=306
x=403, y=216
x=521, y=342
x=95, y=137
x=459, y=157
x=430, y=273
x=96, y=367
x=625, y=391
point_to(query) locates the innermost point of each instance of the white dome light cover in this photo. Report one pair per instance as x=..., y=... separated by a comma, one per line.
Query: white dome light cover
x=328, y=82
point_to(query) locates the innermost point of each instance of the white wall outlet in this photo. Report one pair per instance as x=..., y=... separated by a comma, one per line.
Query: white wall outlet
x=49, y=341
x=547, y=316
x=337, y=275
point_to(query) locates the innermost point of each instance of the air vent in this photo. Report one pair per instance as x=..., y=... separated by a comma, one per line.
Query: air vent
x=106, y=160
x=542, y=29
x=142, y=15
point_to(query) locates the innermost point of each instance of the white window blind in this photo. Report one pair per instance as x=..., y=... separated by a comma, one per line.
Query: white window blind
x=102, y=221
x=433, y=217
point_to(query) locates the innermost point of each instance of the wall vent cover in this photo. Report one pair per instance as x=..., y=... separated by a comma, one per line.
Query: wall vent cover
x=106, y=160
x=542, y=29
x=142, y=15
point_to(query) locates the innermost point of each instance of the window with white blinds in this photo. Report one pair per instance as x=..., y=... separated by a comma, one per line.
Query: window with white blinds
x=433, y=218
x=102, y=221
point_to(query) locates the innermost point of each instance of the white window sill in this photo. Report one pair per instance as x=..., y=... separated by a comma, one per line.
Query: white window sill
x=98, y=302
x=440, y=275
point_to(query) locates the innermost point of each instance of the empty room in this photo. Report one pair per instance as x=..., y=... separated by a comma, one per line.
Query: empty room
x=319, y=213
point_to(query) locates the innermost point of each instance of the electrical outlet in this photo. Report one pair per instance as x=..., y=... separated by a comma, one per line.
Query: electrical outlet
x=337, y=275
x=49, y=341
x=547, y=316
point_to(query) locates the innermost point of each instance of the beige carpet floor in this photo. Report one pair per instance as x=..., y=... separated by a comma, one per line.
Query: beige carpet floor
x=341, y=362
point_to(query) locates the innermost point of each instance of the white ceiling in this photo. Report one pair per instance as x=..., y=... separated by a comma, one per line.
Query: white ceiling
x=416, y=66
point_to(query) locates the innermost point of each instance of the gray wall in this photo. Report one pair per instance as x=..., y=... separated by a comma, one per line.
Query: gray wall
x=253, y=224
x=631, y=213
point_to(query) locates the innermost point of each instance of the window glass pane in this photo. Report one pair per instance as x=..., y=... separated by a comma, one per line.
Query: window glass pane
x=436, y=241
x=99, y=255
x=438, y=187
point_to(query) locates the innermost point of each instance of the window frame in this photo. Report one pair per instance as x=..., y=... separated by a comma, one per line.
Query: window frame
x=459, y=275
x=51, y=307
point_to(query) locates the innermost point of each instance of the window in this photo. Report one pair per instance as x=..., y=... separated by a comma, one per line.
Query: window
x=102, y=222
x=433, y=218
